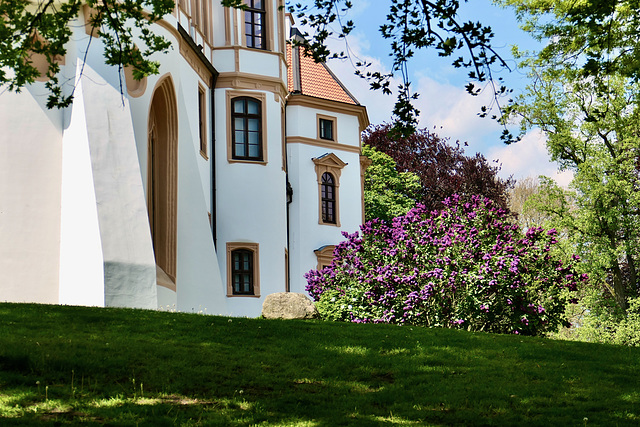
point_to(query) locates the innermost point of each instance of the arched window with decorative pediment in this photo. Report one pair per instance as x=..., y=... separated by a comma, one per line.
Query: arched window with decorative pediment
x=328, y=169
x=328, y=198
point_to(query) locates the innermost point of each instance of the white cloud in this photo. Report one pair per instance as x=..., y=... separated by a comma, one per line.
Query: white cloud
x=529, y=157
x=455, y=111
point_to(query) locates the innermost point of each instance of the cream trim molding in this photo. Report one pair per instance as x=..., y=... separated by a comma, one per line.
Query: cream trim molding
x=334, y=106
x=324, y=256
x=238, y=80
x=322, y=143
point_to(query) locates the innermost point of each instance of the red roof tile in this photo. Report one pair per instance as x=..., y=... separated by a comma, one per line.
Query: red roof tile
x=315, y=79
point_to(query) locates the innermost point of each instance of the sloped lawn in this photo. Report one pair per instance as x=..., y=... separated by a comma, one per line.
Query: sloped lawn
x=77, y=365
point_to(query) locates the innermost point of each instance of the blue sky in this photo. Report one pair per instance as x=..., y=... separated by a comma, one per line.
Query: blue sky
x=443, y=101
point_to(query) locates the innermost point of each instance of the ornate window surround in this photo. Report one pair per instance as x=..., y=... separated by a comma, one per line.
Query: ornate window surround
x=324, y=255
x=332, y=164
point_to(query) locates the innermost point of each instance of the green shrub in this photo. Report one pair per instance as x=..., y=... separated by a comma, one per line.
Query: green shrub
x=465, y=267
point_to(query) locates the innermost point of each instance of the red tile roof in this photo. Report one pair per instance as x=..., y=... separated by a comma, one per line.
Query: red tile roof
x=315, y=79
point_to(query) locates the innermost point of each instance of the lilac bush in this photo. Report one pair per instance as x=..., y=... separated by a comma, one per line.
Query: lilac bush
x=466, y=266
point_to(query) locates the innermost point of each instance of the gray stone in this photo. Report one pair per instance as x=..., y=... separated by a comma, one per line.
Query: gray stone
x=288, y=305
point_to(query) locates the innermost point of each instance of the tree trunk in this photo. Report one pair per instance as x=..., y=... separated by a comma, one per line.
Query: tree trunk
x=633, y=283
x=618, y=288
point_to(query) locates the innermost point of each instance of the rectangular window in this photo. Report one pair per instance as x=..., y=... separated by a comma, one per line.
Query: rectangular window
x=242, y=269
x=202, y=124
x=246, y=119
x=326, y=129
x=254, y=20
x=246, y=127
x=242, y=272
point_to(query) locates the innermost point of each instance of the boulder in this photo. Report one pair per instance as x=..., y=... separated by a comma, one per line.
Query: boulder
x=288, y=305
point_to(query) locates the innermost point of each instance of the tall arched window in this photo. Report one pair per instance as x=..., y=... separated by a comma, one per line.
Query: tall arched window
x=328, y=170
x=328, y=190
x=254, y=23
x=246, y=119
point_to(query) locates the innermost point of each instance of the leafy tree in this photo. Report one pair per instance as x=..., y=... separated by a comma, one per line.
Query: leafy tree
x=525, y=197
x=595, y=37
x=586, y=100
x=443, y=169
x=387, y=192
x=410, y=26
x=44, y=28
x=466, y=266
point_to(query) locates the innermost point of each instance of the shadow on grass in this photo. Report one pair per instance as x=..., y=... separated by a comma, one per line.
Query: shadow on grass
x=127, y=367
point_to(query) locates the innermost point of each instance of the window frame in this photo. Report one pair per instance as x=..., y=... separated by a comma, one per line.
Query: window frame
x=202, y=121
x=328, y=198
x=252, y=11
x=261, y=97
x=333, y=165
x=324, y=256
x=334, y=127
x=246, y=247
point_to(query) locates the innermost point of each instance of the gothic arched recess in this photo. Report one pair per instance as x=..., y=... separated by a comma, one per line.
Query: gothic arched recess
x=162, y=179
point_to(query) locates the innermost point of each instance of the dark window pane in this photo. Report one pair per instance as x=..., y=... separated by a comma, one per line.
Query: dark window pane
x=247, y=132
x=242, y=272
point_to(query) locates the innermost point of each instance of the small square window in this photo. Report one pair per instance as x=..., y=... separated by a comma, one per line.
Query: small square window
x=325, y=129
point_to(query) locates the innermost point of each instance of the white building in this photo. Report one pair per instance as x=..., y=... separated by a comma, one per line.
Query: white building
x=205, y=188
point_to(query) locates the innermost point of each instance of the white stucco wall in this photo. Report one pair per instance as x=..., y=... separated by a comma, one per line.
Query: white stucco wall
x=252, y=206
x=306, y=234
x=199, y=287
x=81, y=261
x=30, y=174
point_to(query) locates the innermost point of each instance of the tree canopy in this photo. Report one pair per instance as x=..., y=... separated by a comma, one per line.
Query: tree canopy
x=44, y=27
x=443, y=168
x=595, y=37
x=387, y=192
x=585, y=96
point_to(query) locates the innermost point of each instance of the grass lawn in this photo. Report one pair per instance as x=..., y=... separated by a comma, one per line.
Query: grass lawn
x=77, y=365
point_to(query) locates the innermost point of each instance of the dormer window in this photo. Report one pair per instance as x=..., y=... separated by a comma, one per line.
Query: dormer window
x=254, y=24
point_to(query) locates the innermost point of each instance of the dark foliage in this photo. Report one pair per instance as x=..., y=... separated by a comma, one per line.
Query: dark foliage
x=443, y=168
